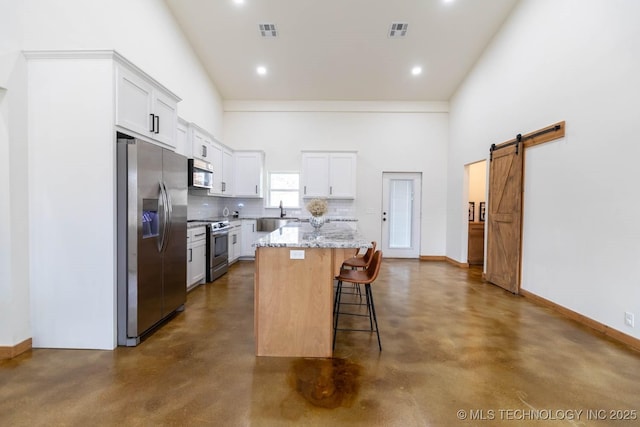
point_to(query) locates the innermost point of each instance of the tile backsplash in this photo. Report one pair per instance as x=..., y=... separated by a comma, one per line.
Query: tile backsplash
x=204, y=207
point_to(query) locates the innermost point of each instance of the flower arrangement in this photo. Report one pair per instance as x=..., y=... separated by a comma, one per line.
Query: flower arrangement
x=317, y=207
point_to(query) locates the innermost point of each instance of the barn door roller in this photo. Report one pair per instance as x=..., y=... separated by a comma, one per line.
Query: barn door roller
x=519, y=139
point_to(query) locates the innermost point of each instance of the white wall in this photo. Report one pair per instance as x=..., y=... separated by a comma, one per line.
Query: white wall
x=145, y=33
x=385, y=142
x=6, y=289
x=14, y=233
x=578, y=61
x=72, y=203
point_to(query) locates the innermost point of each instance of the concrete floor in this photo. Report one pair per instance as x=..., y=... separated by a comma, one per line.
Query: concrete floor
x=450, y=343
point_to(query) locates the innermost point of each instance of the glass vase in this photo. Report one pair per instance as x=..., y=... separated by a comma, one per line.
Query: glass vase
x=316, y=221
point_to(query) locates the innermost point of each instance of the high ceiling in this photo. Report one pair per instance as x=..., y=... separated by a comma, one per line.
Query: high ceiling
x=339, y=49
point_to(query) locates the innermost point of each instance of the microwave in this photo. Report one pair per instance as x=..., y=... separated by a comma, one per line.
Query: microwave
x=200, y=174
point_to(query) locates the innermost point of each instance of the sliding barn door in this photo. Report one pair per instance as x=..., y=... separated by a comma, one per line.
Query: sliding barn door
x=504, y=217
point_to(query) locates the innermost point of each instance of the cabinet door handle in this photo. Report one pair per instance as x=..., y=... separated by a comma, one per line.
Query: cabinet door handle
x=235, y=239
x=157, y=124
x=153, y=122
x=305, y=189
x=201, y=234
x=253, y=228
x=204, y=151
x=224, y=187
x=256, y=189
x=330, y=190
x=190, y=255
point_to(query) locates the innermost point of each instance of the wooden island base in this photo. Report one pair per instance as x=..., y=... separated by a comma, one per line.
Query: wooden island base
x=294, y=300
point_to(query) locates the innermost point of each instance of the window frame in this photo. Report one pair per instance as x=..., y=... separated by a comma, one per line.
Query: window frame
x=270, y=202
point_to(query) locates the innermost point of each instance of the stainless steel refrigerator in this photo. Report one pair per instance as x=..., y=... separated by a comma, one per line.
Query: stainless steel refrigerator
x=152, y=236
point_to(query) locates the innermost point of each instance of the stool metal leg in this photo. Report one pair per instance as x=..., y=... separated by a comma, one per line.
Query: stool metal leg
x=357, y=290
x=335, y=298
x=373, y=311
x=336, y=312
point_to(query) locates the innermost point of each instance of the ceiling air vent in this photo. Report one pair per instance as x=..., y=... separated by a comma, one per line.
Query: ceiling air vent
x=268, y=30
x=398, y=29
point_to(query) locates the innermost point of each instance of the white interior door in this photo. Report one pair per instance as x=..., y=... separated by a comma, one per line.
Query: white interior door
x=401, y=207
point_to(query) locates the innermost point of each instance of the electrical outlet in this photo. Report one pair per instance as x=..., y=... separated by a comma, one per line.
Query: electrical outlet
x=629, y=319
x=296, y=254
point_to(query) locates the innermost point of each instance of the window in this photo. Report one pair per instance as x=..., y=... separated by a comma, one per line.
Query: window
x=285, y=187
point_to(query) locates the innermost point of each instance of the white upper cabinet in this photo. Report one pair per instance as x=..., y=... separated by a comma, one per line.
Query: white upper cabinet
x=222, y=161
x=228, y=186
x=144, y=107
x=205, y=147
x=249, y=166
x=183, y=143
x=329, y=175
x=315, y=174
x=216, y=162
x=165, y=112
x=201, y=145
x=342, y=175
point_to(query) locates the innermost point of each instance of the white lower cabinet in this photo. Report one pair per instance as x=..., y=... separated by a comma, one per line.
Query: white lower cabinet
x=249, y=236
x=235, y=241
x=248, y=233
x=196, y=256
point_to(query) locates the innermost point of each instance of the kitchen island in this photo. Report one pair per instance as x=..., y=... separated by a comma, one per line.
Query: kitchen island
x=295, y=270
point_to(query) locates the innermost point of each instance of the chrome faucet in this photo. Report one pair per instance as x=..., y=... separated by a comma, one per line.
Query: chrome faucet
x=282, y=211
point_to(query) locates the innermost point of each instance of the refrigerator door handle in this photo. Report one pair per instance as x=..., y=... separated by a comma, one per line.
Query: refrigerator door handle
x=169, y=217
x=164, y=213
x=162, y=217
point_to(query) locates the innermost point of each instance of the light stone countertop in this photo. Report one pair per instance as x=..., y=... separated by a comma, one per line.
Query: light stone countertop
x=301, y=218
x=303, y=235
x=191, y=225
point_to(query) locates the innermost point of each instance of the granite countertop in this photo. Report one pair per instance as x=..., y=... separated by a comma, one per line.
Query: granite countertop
x=303, y=235
x=330, y=218
x=203, y=222
x=301, y=218
x=196, y=224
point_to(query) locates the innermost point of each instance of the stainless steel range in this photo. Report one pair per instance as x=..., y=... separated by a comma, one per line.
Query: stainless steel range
x=217, y=250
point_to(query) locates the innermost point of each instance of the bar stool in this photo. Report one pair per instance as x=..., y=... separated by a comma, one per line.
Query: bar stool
x=360, y=261
x=365, y=277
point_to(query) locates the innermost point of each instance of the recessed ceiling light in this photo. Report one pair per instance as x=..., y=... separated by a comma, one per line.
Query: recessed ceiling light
x=238, y=2
x=261, y=70
x=417, y=70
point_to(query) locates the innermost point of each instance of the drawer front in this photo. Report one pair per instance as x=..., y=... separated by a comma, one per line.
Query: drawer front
x=196, y=234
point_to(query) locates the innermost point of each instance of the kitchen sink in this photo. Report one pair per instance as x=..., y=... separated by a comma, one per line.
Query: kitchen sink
x=272, y=223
